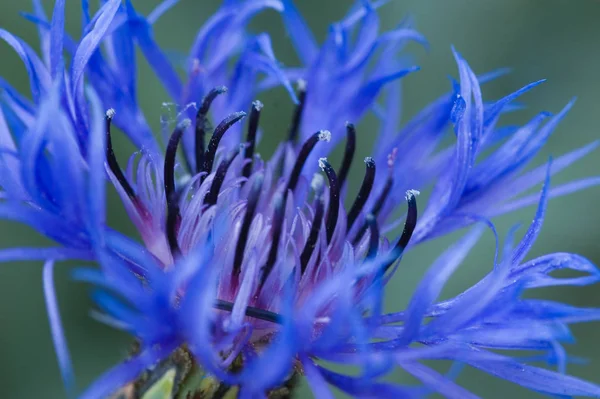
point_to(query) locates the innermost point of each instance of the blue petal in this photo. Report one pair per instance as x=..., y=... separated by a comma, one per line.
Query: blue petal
x=51, y=226
x=556, y=191
x=58, y=335
x=159, y=10
x=538, y=309
x=85, y=13
x=432, y=284
x=270, y=65
x=53, y=253
x=536, y=225
x=40, y=14
x=535, y=378
x=57, y=32
x=39, y=79
x=10, y=175
x=89, y=43
x=357, y=387
x=142, y=31
x=492, y=111
x=120, y=375
x=299, y=32
x=96, y=178
x=369, y=91
x=538, y=271
x=437, y=382
x=315, y=380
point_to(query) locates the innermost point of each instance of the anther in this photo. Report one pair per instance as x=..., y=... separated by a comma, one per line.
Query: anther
x=348, y=153
x=111, y=159
x=213, y=144
x=253, y=197
x=334, y=198
x=169, y=182
x=251, y=136
x=409, y=226
x=276, y=226
x=202, y=124
x=297, y=118
x=307, y=147
x=363, y=193
x=219, y=178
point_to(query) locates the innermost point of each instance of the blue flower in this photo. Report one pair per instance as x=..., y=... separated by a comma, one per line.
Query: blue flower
x=253, y=269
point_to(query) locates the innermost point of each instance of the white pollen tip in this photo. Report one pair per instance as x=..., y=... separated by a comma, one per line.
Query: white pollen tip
x=325, y=135
x=301, y=84
x=322, y=163
x=369, y=160
x=317, y=183
x=184, y=124
x=257, y=105
x=110, y=113
x=348, y=124
x=411, y=194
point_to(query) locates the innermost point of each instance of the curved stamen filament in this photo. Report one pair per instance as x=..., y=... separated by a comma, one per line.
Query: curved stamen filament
x=169, y=182
x=215, y=187
x=409, y=226
x=253, y=197
x=348, y=153
x=315, y=228
x=213, y=144
x=297, y=118
x=202, y=124
x=334, y=198
x=277, y=226
x=389, y=183
x=111, y=159
x=251, y=137
x=363, y=193
x=307, y=147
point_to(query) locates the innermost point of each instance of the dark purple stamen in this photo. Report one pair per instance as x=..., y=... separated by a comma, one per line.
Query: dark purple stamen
x=111, y=159
x=219, y=178
x=251, y=311
x=348, y=153
x=213, y=144
x=409, y=227
x=379, y=202
x=411, y=220
x=363, y=193
x=277, y=226
x=297, y=118
x=170, y=154
x=315, y=228
x=334, y=198
x=251, y=137
x=202, y=124
x=307, y=147
x=169, y=182
x=253, y=197
x=374, y=239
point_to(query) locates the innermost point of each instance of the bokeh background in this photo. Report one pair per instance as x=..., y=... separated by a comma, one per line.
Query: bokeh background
x=553, y=39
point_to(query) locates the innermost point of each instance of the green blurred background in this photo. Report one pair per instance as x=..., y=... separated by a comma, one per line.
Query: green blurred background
x=553, y=39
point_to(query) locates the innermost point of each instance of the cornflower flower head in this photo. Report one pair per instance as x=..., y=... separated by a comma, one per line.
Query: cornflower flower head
x=251, y=272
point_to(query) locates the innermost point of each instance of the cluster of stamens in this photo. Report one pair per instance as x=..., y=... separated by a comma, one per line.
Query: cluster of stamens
x=326, y=211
